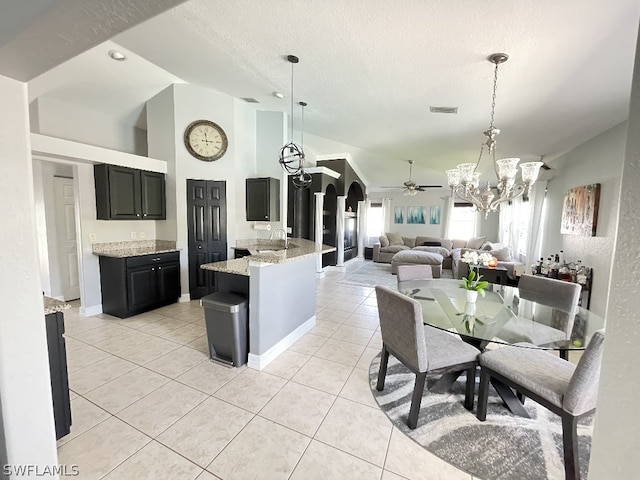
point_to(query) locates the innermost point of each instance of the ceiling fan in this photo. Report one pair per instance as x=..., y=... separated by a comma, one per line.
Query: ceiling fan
x=410, y=187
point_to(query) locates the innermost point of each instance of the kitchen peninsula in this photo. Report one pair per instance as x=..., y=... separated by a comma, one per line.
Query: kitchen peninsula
x=280, y=284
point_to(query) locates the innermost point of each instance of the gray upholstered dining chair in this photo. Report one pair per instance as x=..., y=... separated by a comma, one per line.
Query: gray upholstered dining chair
x=414, y=272
x=422, y=349
x=567, y=390
x=560, y=298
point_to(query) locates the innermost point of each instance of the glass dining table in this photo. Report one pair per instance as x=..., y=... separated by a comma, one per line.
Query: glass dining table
x=504, y=315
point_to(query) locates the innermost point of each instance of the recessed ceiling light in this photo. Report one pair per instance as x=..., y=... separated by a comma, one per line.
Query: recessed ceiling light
x=279, y=95
x=117, y=56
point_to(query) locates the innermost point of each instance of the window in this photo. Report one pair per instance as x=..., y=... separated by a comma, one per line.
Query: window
x=374, y=223
x=523, y=218
x=463, y=221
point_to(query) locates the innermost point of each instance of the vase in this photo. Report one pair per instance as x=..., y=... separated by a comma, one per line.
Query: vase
x=472, y=296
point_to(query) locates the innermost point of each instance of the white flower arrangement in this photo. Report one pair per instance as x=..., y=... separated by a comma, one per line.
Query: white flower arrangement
x=475, y=258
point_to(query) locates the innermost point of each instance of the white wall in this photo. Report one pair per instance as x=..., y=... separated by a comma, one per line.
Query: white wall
x=71, y=122
x=25, y=390
x=615, y=439
x=597, y=161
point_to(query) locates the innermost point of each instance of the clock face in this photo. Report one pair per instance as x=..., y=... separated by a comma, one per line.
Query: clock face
x=205, y=140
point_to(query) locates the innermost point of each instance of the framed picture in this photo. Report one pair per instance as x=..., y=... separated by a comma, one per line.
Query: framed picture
x=416, y=215
x=398, y=215
x=434, y=217
x=580, y=210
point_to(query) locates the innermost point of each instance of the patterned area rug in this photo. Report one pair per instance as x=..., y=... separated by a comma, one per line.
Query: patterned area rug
x=371, y=274
x=503, y=447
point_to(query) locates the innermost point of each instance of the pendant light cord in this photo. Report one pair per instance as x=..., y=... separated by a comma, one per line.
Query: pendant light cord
x=291, y=135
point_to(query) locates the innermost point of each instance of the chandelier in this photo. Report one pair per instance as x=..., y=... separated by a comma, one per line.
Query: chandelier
x=291, y=156
x=464, y=180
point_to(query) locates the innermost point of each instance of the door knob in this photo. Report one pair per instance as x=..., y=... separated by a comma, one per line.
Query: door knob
x=200, y=246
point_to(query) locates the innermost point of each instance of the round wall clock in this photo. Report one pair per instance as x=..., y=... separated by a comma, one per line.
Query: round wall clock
x=205, y=140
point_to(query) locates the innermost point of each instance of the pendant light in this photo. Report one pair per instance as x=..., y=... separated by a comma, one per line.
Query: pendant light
x=302, y=179
x=291, y=156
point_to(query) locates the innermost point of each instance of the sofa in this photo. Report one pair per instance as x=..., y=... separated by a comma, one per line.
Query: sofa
x=502, y=253
x=451, y=251
x=392, y=243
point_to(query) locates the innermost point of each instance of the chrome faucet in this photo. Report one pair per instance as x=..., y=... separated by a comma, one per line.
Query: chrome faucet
x=284, y=235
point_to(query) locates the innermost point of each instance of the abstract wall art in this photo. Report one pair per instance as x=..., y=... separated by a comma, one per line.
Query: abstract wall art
x=398, y=215
x=434, y=215
x=416, y=214
x=580, y=210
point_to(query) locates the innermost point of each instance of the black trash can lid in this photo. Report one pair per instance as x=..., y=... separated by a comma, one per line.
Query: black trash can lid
x=224, y=302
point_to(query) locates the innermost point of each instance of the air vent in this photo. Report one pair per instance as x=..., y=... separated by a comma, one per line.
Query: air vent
x=250, y=100
x=443, y=109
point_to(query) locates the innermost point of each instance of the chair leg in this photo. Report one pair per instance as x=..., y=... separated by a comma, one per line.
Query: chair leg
x=570, y=445
x=564, y=354
x=521, y=397
x=483, y=395
x=471, y=388
x=384, y=360
x=416, y=400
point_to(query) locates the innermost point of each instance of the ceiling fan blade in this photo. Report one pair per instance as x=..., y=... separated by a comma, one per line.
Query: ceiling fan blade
x=429, y=186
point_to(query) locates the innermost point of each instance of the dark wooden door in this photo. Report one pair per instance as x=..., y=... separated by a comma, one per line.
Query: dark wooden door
x=152, y=191
x=124, y=193
x=207, y=224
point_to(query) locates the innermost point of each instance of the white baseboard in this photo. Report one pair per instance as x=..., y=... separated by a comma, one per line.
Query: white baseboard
x=258, y=362
x=184, y=298
x=91, y=311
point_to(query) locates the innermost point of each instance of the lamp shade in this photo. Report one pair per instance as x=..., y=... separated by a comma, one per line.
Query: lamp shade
x=530, y=171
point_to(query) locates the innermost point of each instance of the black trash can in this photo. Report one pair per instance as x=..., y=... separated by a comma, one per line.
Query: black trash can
x=225, y=316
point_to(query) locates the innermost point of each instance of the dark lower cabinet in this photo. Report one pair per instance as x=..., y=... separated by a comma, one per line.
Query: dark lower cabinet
x=134, y=285
x=58, y=371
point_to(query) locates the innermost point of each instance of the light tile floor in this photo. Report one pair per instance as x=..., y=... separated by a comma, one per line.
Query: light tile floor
x=147, y=403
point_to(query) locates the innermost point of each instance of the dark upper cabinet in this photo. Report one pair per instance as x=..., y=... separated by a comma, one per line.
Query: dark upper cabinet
x=128, y=194
x=263, y=199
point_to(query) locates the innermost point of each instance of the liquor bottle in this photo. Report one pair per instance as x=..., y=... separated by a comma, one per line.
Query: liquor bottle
x=539, y=267
x=555, y=267
x=544, y=269
x=562, y=260
x=582, y=275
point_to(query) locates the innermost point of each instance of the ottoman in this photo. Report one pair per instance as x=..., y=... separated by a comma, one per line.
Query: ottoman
x=412, y=257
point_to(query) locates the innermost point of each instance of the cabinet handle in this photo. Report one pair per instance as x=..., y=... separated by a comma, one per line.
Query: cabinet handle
x=137, y=214
x=159, y=268
x=153, y=269
x=156, y=259
x=144, y=215
x=200, y=246
x=266, y=217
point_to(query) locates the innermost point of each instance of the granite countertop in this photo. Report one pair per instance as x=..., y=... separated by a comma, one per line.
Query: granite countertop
x=51, y=305
x=133, y=248
x=298, y=248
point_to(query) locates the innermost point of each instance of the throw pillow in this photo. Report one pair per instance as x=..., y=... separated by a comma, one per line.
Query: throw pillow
x=475, y=242
x=409, y=241
x=384, y=241
x=432, y=244
x=502, y=254
x=395, y=238
x=446, y=243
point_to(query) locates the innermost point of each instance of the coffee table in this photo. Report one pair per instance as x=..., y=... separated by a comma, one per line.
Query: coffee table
x=496, y=275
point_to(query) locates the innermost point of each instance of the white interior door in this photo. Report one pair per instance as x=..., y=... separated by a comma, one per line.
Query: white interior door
x=66, y=232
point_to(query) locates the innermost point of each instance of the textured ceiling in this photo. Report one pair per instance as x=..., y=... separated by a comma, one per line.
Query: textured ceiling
x=370, y=69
